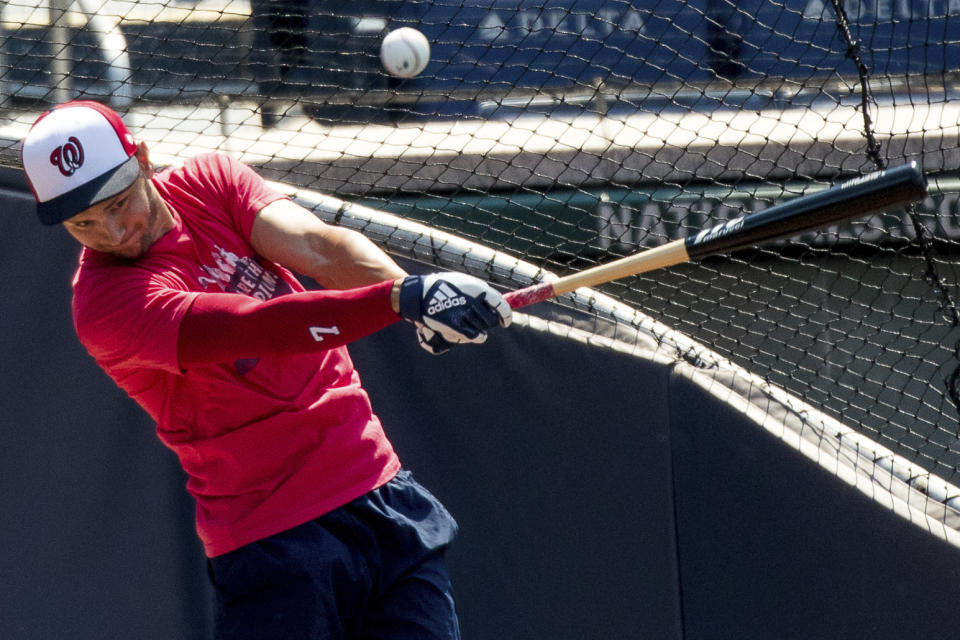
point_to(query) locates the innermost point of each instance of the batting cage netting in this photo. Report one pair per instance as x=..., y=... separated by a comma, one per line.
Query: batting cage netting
x=570, y=133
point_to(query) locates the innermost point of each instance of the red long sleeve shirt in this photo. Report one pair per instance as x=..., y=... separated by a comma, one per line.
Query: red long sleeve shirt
x=244, y=373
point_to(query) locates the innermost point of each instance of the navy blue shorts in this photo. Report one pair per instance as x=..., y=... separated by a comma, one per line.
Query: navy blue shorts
x=374, y=568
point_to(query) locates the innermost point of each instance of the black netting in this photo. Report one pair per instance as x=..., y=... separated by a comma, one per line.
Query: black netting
x=573, y=132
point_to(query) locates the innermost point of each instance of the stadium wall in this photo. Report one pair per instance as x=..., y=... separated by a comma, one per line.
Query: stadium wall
x=602, y=492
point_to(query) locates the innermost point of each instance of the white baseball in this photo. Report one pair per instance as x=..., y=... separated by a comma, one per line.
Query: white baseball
x=405, y=52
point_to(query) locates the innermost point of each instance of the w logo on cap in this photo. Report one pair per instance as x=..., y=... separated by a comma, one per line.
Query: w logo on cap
x=68, y=157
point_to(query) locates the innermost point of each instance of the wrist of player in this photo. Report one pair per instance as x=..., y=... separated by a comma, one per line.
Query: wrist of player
x=395, y=294
x=458, y=307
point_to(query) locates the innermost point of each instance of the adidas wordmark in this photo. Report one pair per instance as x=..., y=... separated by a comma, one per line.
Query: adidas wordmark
x=445, y=298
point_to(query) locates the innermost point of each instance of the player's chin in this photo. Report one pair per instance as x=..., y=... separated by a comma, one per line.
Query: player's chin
x=129, y=250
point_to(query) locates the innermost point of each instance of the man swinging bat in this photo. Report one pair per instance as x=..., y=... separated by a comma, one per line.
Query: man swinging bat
x=185, y=296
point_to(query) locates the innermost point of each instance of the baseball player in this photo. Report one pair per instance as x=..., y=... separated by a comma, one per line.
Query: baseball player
x=185, y=295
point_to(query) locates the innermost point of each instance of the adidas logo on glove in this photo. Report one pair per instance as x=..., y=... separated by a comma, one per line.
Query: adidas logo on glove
x=445, y=297
x=451, y=308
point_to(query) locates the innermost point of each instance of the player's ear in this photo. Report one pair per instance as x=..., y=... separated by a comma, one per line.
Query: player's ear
x=143, y=157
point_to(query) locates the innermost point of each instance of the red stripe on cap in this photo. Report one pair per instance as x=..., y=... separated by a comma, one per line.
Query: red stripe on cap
x=126, y=138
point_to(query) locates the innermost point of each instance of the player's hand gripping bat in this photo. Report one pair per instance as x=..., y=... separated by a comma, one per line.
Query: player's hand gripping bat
x=879, y=191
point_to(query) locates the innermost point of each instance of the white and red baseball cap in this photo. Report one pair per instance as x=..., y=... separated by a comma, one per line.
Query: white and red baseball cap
x=76, y=155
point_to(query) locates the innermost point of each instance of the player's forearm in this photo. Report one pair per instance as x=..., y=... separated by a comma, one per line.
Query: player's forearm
x=353, y=260
x=336, y=257
x=223, y=327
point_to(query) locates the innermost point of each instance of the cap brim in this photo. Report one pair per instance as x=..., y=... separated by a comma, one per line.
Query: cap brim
x=83, y=197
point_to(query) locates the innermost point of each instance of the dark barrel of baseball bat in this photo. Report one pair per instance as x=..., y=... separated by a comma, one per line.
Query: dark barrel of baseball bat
x=868, y=194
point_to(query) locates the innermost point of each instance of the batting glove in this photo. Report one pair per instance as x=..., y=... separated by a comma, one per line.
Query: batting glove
x=432, y=342
x=455, y=307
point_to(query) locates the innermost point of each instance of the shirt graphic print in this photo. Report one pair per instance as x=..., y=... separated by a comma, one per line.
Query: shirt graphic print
x=235, y=274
